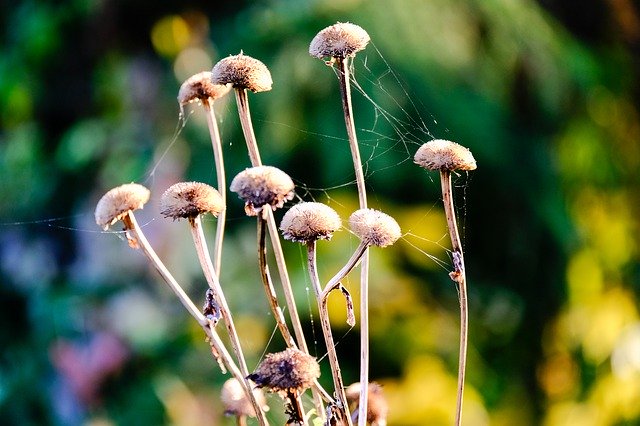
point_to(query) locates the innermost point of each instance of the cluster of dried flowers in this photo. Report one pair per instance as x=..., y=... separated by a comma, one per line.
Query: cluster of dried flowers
x=264, y=189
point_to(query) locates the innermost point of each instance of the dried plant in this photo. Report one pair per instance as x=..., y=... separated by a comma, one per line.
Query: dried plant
x=263, y=189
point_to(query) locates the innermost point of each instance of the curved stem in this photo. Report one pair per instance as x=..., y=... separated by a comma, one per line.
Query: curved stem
x=268, y=285
x=347, y=108
x=214, y=283
x=459, y=276
x=348, y=267
x=222, y=185
x=326, y=330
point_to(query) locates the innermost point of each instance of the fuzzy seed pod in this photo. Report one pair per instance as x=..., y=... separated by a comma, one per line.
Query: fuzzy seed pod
x=117, y=202
x=440, y=154
x=339, y=41
x=235, y=401
x=190, y=199
x=377, y=406
x=242, y=72
x=199, y=87
x=374, y=227
x=262, y=186
x=288, y=370
x=306, y=222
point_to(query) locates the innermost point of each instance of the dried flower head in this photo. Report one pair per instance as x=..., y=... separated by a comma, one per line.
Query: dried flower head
x=288, y=370
x=235, y=401
x=440, y=154
x=377, y=406
x=117, y=202
x=262, y=186
x=339, y=41
x=199, y=87
x=306, y=222
x=190, y=199
x=374, y=227
x=242, y=72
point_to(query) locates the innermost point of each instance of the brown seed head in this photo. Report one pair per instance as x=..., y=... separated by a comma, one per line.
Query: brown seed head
x=440, y=154
x=377, y=407
x=190, y=199
x=374, y=227
x=262, y=186
x=242, y=72
x=235, y=401
x=339, y=41
x=288, y=370
x=306, y=222
x=117, y=202
x=199, y=87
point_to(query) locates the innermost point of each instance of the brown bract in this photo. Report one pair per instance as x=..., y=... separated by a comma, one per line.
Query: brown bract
x=190, y=199
x=306, y=222
x=374, y=227
x=262, y=186
x=118, y=201
x=377, y=406
x=242, y=72
x=235, y=401
x=440, y=154
x=199, y=87
x=288, y=370
x=339, y=41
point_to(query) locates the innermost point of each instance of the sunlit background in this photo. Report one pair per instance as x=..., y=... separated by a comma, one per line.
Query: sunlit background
x=545, y=94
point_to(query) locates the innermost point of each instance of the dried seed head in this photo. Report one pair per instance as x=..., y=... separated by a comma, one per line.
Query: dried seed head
x=339, y=41
x=306, y=222
x=117, y=202
x=261, y=186
x=288, y=370
x=374, y=227
x=242, y=72
x=190, y=199
x=235, y=401
x=199, y=87
x=440, y=154
x=377, y=407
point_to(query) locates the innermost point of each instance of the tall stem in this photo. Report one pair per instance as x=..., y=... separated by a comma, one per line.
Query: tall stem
x=326, y=330
x=214, y=283
x=459, y=276
x=345, y=91
x=222, y=185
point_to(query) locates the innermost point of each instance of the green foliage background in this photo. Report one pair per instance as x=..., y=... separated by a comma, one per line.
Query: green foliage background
x=545, y=94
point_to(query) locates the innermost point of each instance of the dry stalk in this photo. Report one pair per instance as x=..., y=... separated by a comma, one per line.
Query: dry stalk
x=458, y=275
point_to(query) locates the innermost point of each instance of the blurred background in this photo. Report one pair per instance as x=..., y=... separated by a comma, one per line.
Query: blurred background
x=545, y=94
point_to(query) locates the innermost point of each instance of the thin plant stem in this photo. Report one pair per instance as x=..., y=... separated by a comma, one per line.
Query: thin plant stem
x=459, y=276
x=214, y=283
x=247, y=127
x=357, y=255
x=244, y=113
x=345, y=91
x=222, y=185
x=326, y=330
x=268, y=285
x=131, y=225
